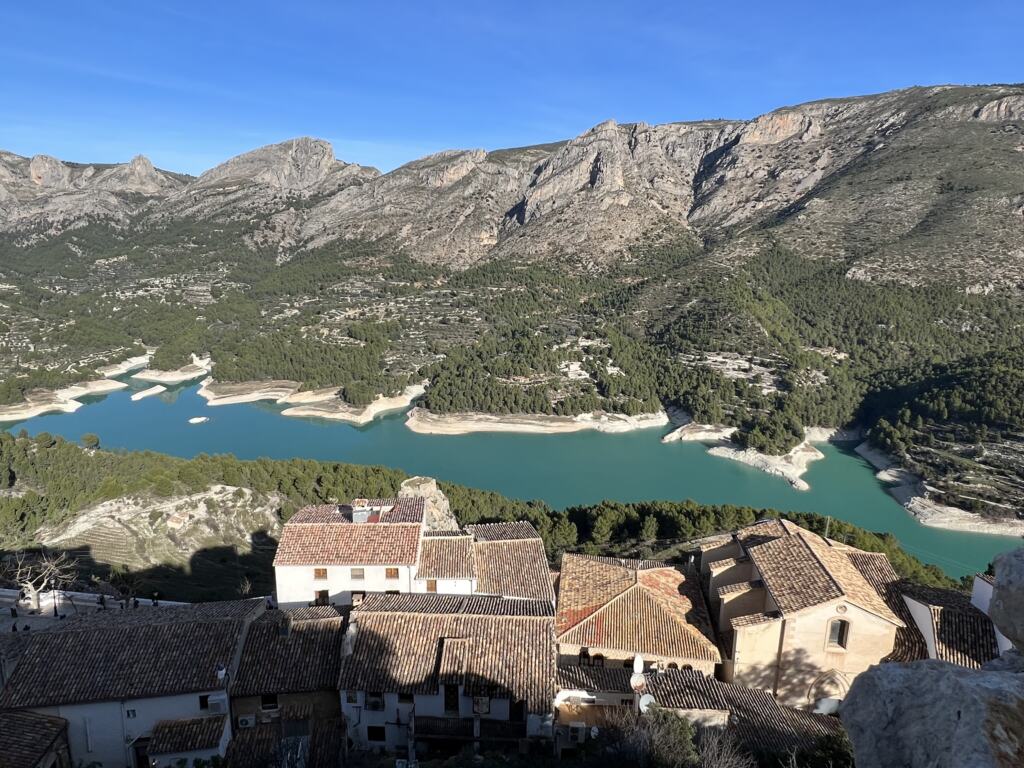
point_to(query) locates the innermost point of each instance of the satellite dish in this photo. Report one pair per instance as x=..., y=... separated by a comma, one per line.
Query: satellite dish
x=638, y=664
x=638, y=682
x=646, y=701
x=594, y=731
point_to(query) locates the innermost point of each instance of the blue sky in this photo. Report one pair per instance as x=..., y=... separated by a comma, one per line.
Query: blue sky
x=190, y=84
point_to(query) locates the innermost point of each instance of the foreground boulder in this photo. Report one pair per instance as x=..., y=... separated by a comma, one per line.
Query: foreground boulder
x=932, y=714
x=935, y=714
x=1007, y=607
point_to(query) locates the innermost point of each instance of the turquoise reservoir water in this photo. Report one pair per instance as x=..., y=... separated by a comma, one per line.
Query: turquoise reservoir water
x=563, y=470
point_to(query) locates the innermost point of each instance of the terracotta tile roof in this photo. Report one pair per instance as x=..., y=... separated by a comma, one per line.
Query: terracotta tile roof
x=131, y=658
x=266, y=745
x=446, y=557
x=497, y=655
x=753, y=619
x=475, y=605
x=171, y=737
x=513, y=568
x=653, y=611
x=351, y=544
x=26, y=737
x=166, y=614
x=875, y=567
x=594, y=679
x=803, y=570
x=963, y=634
x=286, y=653
x=314, y=612
x=987, y=577
x=320, y=514
x=740, y=586
x=406, y=509
x=760, y=723
x=518, y=529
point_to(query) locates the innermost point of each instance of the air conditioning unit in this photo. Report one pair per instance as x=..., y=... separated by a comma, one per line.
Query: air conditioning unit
x=218, y=705
x=247, y=721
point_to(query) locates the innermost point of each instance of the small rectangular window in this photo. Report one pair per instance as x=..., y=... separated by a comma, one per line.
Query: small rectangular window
x=391, y=573
x=375, y=733
x=130, y=714
x=320, y=574
x=351, y=697
x=358, y=574
x=268, y=701
x=431, y=585
x=375, y=701
x=204, y=701
x=322, y=597
x=481, y=705
x=838, y=633
x=405, y=698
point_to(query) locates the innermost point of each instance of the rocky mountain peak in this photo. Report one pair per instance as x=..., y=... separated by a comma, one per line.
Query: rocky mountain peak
x=49, y=172
x=297, y=164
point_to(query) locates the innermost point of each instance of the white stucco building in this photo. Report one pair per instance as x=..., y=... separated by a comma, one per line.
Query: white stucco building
x=339, y=554
x=116, y=676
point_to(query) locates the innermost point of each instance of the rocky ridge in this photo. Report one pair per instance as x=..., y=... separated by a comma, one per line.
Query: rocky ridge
x=809, y=173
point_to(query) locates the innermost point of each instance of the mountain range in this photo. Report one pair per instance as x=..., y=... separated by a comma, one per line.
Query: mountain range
x=907, y=185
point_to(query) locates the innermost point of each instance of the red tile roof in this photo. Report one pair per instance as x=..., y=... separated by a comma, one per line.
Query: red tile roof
x=446, y=557
x=513, y=568
x=352, y=544
x=654, y=611
x=287, y=653
x=500, y=654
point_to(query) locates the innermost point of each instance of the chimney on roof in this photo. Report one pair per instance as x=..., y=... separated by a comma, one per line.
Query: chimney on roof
x=360, y=510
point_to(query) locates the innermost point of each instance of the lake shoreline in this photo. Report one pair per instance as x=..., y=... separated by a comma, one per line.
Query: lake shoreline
x=911, y=491
x=40, y=402
x=424, y=422
x=790, y=466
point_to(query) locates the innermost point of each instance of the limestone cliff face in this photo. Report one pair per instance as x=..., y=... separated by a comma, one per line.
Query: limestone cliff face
x=44, y=193
x=905, y=185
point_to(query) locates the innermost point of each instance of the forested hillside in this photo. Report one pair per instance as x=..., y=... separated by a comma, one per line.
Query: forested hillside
x=807, y=268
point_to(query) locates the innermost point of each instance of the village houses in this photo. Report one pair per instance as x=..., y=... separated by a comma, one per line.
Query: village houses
x=390, y=633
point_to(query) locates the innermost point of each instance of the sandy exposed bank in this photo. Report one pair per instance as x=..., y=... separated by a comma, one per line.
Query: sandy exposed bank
x=199, y=367
x=65, y=400
x=910, y=490
x=37, y=405
x=125, y=366
x=427, y=423
x=221, y=393
x=790, y=466
x=156, y=389
x=335, y=409
x=86, y=388
x=700, y=433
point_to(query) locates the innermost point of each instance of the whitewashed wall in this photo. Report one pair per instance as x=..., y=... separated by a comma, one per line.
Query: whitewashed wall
x=297, y=587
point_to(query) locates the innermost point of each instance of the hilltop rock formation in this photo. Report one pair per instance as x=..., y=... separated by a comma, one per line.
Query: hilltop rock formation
x=932, y=714
x=439, y=516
